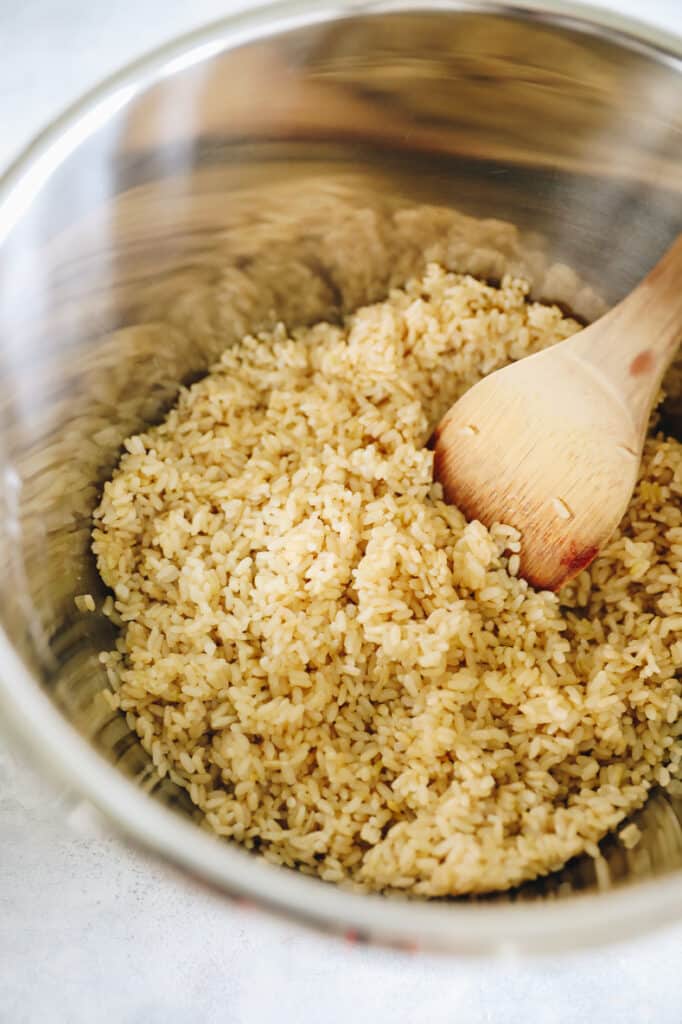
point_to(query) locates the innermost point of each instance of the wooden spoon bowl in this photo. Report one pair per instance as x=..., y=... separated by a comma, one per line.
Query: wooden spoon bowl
x=552, y=444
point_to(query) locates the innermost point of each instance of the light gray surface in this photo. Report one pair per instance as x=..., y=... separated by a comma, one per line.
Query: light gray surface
x=92, y=931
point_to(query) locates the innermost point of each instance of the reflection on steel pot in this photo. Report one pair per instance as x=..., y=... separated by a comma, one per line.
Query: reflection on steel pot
x=296, y=162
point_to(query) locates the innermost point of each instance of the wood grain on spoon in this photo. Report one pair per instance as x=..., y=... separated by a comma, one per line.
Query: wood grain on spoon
x=552, y=444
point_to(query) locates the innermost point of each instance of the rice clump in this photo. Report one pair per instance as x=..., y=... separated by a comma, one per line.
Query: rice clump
x=343, y=672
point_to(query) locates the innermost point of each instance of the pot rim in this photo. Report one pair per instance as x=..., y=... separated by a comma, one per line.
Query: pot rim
x=584, y=919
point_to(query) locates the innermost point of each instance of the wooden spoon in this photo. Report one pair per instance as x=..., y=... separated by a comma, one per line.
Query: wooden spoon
x=552, y=444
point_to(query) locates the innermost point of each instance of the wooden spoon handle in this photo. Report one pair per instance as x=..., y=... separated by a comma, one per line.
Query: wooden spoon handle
x=635, y=342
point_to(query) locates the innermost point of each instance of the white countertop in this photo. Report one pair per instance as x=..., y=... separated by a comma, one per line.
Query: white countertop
x=92, y=931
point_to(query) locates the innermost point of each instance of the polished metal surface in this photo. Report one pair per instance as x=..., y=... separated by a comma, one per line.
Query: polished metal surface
x=295, y=162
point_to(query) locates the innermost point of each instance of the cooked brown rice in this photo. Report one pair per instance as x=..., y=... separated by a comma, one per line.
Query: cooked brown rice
x=342, y=671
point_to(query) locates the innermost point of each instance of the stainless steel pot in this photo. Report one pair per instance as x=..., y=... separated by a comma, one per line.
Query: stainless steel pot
x=299, y=151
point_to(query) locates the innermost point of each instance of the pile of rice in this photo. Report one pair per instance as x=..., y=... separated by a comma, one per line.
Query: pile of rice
x=343, y=672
